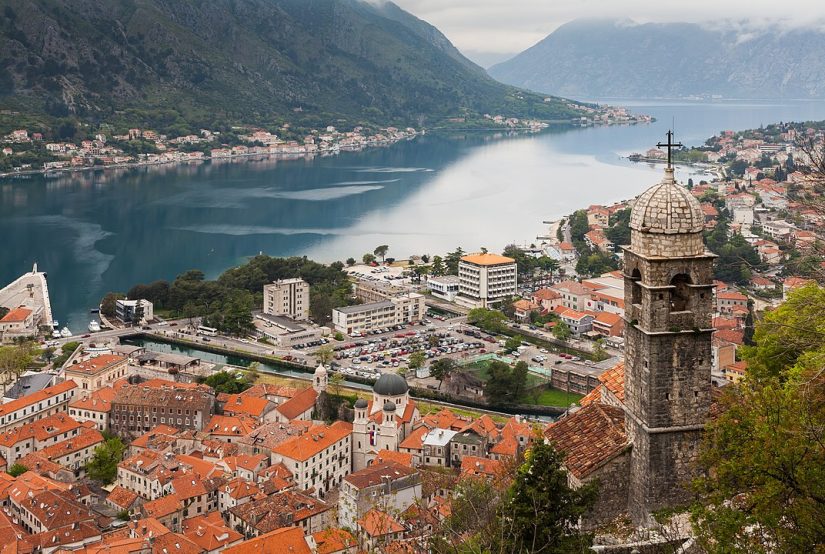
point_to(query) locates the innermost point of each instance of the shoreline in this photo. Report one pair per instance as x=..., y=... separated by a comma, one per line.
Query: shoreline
x=58, y=172
x=279, y=155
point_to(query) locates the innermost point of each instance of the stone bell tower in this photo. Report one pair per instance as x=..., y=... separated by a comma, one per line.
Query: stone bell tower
x=669, y=304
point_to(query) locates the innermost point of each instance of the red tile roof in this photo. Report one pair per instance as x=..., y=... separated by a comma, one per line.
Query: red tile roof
x=315, y=440
x=253, y=406
x=36, y=397
x=613, y=380
x=415, y=440
x=403, y=458
x=377, y=523
x=99, y=400
x=474, y=466
x=96, y=365
x=16, y=315
x=287, y=540
x=331, y=541
x=589, y=438
x=378, y=473
x=734, y=336
x=487, y=259
x=122, y=497
x=230, y=426
x=163, y=506
x=298, y=404
x=209, y=531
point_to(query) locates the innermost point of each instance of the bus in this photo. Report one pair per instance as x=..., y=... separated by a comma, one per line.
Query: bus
x=207, y=331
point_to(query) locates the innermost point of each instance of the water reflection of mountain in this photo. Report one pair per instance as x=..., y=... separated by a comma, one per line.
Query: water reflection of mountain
x=96, y=231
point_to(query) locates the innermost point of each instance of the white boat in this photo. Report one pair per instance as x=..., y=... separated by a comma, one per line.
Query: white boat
x=65, y=333
x=55, y=334
x=94, y=326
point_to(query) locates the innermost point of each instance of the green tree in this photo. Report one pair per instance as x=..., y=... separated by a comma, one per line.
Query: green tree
x=417, y=359
x=14, y=360
x=350, y=261
x=475, y=523
x=438, y=268
x=107, y=305
x=519, y=379
x=492, y=321
x=598, y=349
x=225, y=381
x=324, y=354
x=442, y=367
x=48, y=353
x=562, y=331
x=16, y=470
x=579, y=225
x=498, y=390
x=618, y=231
x=381, y=251
x=763, y=484
x=543, y=509
x=451, y=260
x=368, y=258
x=512, y=343
x=103, y=465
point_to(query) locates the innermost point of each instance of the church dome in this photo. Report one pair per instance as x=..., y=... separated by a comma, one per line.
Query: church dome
x=389, y=406
x=361, y=403
x=390, y=384
x=667, y=208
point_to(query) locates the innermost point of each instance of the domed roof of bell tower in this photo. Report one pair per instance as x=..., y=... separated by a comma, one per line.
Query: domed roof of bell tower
x=667, y=208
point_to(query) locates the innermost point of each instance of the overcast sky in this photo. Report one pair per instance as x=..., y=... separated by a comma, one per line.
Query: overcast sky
x=489, y=31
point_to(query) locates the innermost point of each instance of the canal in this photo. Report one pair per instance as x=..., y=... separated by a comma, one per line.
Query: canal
x=228, y=360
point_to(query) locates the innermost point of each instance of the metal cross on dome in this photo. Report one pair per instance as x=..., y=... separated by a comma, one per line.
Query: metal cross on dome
x=670, y=146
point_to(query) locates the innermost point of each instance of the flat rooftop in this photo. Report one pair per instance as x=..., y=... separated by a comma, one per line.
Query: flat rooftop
x=359, y=308
x=288, y=324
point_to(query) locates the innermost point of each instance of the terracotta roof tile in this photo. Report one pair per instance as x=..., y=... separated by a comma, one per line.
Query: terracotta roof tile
x=415, y=440
x=96, y=365
x=315, y=440
x=331, y=541
x=174, y=543
x=403, y=458
x=162, y=507
x=377, y=523
x=378, y=473
x=16, y=315
x=288, y=540
x=298, y=404
x=238, y=404
x=209, y=532
x=122, y=497
x=589, y=437
x=35, y=397
x=474, y=466
x=487, y=259
x=613, y=380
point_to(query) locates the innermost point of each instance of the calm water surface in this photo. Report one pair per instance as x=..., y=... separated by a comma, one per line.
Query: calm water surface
x=104, y=231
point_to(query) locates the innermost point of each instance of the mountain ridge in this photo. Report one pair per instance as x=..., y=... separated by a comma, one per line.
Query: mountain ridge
x=603, y=58
x=191, y=64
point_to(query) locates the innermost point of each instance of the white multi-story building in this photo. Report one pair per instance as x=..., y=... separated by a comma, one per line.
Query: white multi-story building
x=486, y=278
x=37, y=405
x=137, y=312
x=287, y=297
x=397, y=310
x=445, y=286
x=320, y=458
